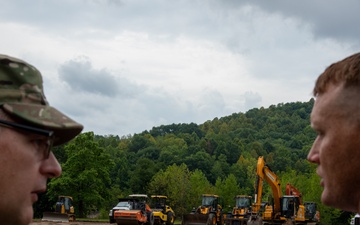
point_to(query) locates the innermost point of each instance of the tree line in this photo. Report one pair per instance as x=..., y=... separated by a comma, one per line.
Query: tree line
x=183, y=161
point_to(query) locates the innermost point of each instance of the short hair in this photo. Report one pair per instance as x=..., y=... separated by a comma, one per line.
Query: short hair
x=346, y=71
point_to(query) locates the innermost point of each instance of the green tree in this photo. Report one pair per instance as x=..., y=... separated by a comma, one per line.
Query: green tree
x=174, y=183
x=220, y=169
x=227, y=189
x=85, y=176
x=144, y=170
x=173, y=149
x=199, y=185
x=200, y=160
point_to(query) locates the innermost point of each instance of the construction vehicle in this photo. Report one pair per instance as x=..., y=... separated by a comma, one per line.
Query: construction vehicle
x=64, y=211
x=123, y=204
x=311, y=212
x=241, y=212
x=138, y=212
x=209, y=213
x=163, y=214
x=285, y=209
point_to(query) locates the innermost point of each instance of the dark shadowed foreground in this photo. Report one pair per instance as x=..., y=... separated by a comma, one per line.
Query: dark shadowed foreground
x=70, y=223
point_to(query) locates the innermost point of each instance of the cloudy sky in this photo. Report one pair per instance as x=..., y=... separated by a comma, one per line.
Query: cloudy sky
x=124, y=66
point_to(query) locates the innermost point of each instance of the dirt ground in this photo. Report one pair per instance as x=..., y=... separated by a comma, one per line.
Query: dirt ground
x=70, y=223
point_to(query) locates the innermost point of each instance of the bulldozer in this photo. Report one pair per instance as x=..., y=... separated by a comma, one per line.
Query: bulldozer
x=241, y=212
x=64, y=211
x=209, y=213
x=163, y=214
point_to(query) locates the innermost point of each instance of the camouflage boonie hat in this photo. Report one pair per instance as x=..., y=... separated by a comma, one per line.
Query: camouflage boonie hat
x=22, y=97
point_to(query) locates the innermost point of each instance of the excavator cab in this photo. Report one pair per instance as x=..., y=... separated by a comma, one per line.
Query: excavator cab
x=311, y=212
x=292, y=209
x=289, y=206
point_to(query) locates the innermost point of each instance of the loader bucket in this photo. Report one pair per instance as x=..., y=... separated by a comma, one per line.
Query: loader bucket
x=55, y=217
x=196, y=219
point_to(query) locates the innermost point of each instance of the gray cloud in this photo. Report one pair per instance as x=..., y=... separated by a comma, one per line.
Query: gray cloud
x=328, y=18
x=215, y=19
x=80, y=76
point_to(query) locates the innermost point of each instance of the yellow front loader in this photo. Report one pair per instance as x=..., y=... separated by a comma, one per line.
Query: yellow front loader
x=209, y=213
x=64, y=211
x=241, y=211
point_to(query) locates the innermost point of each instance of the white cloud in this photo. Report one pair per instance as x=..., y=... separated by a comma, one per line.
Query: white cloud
x=121, y=67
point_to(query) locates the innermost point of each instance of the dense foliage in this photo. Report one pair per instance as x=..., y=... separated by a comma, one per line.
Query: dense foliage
x=184, y=161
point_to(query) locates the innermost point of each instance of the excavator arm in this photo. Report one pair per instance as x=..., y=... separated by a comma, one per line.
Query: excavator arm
x=258, y=186
x=263, y=172
x=291, y=190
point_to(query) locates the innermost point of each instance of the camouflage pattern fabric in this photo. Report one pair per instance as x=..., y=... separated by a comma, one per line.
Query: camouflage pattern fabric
x=22, y=97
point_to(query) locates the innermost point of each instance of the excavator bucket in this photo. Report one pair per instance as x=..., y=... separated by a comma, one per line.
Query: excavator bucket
x=196, y=219
x=55, y=217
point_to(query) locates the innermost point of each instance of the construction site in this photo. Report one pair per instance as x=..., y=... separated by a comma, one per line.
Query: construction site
x=140, y=209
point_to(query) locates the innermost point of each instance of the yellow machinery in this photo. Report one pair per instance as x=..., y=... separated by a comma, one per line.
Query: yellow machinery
x=64, y=211
x=241, y=211
x=163, y=214
x=209, y=213
x=285, y=209
x=312, y=215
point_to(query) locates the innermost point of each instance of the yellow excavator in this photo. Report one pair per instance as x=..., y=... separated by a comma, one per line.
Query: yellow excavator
x=209, y=213
x=241, y=211
x=312, y=215
x=286, y=209
x=64, y=211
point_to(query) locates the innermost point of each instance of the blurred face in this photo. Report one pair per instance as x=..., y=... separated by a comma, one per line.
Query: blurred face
x=336, y=149
x=23, y=174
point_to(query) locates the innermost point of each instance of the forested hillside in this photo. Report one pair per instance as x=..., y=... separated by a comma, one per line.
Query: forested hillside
x=184, y=161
